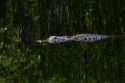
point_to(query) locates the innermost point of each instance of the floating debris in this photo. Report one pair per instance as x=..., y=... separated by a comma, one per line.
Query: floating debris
x=79, y=37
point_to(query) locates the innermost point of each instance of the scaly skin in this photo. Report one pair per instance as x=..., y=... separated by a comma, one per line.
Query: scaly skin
x=79, y=37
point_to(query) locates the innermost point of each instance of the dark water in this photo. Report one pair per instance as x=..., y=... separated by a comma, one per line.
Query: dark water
x=71, y=62
x=86, y=62
x=100, y=62
x=23, y=21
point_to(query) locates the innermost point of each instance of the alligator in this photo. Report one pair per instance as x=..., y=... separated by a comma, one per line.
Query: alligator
x=78, y=37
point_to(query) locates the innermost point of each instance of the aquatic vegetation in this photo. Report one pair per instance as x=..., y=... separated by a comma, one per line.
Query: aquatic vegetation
x=23, y=22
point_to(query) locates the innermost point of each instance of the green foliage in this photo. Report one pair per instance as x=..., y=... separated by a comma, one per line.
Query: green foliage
x=74, y=62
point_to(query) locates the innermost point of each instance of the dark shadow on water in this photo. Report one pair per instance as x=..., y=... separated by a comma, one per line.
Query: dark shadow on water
x=83, y=62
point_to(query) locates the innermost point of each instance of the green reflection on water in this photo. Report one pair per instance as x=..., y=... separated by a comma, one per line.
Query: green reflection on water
x=100, y=62
x=73, y=62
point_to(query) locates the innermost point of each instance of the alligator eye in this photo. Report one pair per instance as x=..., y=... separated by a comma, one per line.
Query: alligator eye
x=55, y=38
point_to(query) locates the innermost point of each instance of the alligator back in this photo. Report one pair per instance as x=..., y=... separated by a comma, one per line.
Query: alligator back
x=88, y=37
x=79, y=37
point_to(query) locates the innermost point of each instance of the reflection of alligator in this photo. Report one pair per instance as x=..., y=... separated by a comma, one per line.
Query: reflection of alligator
x=79, y=37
